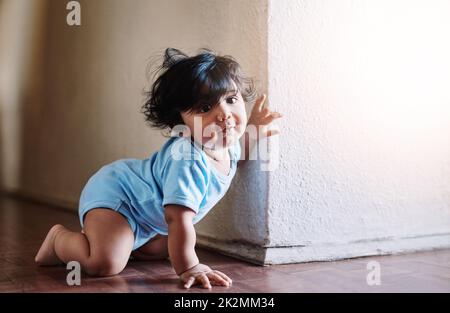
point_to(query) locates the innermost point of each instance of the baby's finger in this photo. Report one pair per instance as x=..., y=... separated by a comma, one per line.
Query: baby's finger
x=189, y=282
x=272, y=132
x=259, y=103
x=271, y=117
x=276, y=114
x=204, y=280
x=228, y=279
x=219, y=280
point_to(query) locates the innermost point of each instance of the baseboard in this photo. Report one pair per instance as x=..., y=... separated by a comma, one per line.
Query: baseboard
x=325, y=252
x=234, y=248
x=67, y=205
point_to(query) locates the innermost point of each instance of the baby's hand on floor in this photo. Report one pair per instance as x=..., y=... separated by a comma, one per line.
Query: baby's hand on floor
x=204, y=275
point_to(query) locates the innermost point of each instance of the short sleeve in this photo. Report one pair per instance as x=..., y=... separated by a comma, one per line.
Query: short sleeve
x=184, y=182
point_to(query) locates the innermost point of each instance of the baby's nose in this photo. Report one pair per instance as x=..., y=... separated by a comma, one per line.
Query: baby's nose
x=223, y=117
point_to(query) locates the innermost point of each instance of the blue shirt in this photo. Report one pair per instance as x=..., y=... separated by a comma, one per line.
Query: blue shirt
x=180, y=173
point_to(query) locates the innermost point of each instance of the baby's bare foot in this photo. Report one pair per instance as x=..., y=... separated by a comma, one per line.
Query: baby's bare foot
x=46, y=254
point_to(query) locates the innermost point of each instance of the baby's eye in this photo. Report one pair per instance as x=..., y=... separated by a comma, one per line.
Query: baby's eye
x=231, y=100
x=205, y=108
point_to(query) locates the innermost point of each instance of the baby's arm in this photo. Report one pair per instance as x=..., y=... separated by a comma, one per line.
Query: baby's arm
x=182, y=237
x=181, y=244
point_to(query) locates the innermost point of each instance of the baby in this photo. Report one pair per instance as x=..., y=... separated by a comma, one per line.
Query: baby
x=147, y=208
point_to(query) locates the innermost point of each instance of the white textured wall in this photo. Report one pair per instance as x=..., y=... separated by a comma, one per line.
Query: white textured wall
x=365, y=150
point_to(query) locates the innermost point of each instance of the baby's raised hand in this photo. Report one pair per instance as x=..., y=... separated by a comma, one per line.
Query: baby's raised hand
x=262, y=117
x=204, y=275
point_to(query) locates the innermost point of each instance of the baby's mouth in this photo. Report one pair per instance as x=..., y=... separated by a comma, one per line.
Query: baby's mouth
x=228, y=127
x=227, y=130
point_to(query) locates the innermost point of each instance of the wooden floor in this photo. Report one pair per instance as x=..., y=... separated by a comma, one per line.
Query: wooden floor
x=25, y=224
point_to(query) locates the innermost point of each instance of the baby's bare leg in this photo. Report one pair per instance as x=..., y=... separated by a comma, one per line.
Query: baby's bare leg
x=155, y=249
x=103, y=249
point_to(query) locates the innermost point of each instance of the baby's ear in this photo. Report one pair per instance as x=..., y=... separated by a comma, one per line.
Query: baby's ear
x=173, y=56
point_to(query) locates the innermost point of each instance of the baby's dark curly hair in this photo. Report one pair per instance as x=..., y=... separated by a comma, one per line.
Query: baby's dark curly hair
x=185, y=84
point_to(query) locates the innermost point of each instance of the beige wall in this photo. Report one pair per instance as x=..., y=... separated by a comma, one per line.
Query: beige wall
x=20, y=60
x=75, y=106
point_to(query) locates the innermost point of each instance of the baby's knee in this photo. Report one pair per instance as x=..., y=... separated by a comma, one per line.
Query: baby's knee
x=105, y=266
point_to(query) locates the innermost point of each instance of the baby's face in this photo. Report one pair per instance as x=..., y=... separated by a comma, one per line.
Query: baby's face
x=219, y=126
